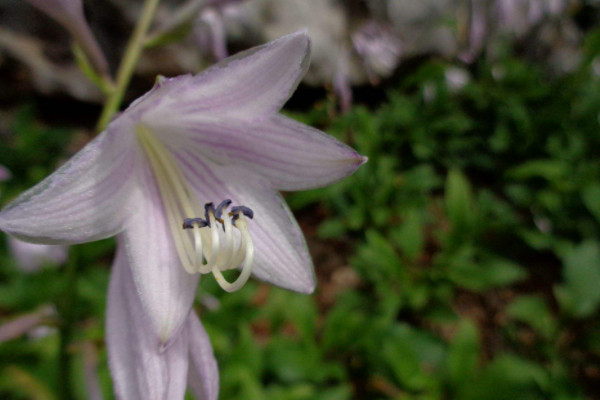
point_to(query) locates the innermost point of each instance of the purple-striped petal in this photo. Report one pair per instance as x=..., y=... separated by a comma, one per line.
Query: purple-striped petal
x=166, y=290
x=86, y=199
x=203, y=375
x=140, y=365
x=290, y=155
x=249, y=84
x=280, y=255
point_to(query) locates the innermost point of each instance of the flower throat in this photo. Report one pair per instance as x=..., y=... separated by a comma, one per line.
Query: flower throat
x=200, y=244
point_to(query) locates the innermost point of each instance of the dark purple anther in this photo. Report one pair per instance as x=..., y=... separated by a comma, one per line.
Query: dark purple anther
x=208, y=209
x=243, y=209
x=188, y=223
x=222, y=207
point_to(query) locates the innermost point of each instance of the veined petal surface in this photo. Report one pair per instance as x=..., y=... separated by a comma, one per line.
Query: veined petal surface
x=203, y=375
x=281, y=256
x=86, y=199
x=142, y=369
x=288, y=154
x=249, y=84
x=166, y=290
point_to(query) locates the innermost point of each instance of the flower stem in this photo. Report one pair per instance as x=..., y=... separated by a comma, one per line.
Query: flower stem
x=130, y=58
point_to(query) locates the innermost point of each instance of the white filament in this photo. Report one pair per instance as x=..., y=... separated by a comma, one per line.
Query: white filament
x=180, y=202
x=248, y=259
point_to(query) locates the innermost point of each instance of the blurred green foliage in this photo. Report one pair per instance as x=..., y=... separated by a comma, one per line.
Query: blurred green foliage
x=462, y=261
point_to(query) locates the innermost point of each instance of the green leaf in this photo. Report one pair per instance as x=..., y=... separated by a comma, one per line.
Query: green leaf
x=459, y=201
x=463, y=354
x=412, y=355
x=591, y=199
x=547, y=169
x=481, y=273
x=331, y=228
x=292, y=362
x=410, y=236
x=25, y=383
x=533, y=311
x=507, y=377
x=579, y=294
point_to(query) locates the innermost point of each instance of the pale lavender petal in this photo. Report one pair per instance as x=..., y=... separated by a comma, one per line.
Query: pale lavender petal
x=69, y=13
x=141, y=367
x=281, y=256
x=290, y=155
x=249, y=84
x=167, y=291
x=30, y=257
x=203, y=375
x=86, y=199
x=210, y=33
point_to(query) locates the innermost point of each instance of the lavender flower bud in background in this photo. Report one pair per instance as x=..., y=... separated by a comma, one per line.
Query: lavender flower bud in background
x=69, y=13
x=31, y=257
x=4, y=174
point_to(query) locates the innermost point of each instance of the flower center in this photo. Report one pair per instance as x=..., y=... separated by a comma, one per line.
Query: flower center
x=202, y=247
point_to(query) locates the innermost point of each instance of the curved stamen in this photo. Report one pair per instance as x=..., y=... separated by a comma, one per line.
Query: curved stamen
x=209, y=208
x=229, y=243
x=241, y=224
x=214, y=230
x=189, y=223
x=237, y=211
x=204, y=243
x=198, y=262
x=220, y=208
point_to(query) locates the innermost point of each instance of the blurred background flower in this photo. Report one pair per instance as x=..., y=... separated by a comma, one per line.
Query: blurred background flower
x=31, y=257
x=356, y=42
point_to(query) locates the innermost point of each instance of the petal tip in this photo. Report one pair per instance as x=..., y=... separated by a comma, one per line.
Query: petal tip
x=301, y=33
x=300, y=39
x=307, y=287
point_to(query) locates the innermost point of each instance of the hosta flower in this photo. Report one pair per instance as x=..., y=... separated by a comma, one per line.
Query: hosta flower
x=190, y=141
